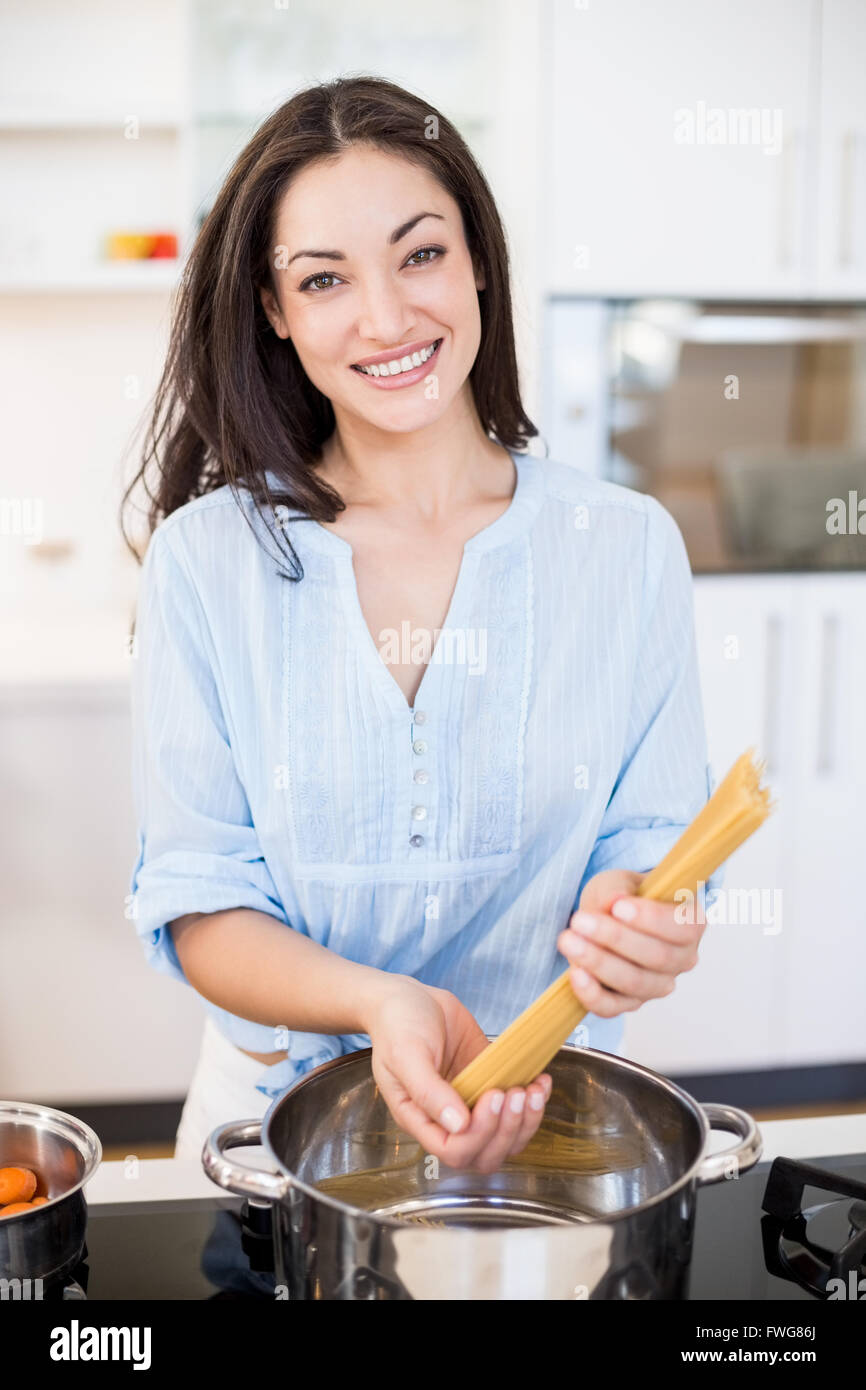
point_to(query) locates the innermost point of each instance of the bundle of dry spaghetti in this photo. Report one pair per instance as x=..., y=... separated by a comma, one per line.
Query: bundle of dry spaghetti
x=736, y=809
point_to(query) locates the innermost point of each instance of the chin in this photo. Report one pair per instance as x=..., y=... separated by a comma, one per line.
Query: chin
x=403, y=417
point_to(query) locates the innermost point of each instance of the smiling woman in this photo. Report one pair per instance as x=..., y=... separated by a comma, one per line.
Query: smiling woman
x=344, y=839
x=271, y=311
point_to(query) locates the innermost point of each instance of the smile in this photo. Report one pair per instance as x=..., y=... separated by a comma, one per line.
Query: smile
x=401, y=370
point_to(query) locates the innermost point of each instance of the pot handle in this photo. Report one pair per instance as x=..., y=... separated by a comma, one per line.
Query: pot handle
x=245, y=1182
x=739, y=1157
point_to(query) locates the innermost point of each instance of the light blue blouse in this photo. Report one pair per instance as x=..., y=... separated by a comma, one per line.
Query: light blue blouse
x=557, y=731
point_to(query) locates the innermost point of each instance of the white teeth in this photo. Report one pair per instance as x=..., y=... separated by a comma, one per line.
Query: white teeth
x=400, y=364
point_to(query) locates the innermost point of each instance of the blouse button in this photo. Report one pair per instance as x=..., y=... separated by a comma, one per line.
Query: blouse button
x=419, y=746
x=420, y=717
x=422, y=775
x=419, y=812
x=416, y=841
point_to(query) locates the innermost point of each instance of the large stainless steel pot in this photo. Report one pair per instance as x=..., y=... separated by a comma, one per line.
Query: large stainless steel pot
x=48, y=1242
x=617, y=1230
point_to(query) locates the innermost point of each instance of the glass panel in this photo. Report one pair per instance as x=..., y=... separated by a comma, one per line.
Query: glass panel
x=748, y=422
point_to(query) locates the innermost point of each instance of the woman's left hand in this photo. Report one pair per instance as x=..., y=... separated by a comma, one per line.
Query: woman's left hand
x=622, y=949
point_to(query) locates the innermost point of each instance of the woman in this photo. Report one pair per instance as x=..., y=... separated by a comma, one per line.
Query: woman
x=405, y=696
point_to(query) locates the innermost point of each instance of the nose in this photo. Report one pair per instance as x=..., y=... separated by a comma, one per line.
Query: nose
x=385, y=316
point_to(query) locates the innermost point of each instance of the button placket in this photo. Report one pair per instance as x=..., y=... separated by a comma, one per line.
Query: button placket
x=420, y=776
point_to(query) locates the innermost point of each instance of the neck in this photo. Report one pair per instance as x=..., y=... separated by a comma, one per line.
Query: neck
x=433, y=470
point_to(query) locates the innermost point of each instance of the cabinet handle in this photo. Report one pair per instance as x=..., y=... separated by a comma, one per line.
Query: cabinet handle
x=787, y=201
x=772, y=693
x=827, y=697
x=847, y=163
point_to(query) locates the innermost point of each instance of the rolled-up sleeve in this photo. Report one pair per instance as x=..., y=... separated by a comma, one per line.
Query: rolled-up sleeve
x=664, y=778
x=197, y=846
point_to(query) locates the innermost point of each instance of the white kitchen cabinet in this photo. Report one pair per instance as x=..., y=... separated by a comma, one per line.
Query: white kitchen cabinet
x=783, y=668
x=631, y=209
x=840, y=202
x=83, y=1017
x=825, y=933
x=727, y=1014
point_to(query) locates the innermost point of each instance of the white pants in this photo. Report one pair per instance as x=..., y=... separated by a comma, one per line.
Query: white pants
x=223, y=1088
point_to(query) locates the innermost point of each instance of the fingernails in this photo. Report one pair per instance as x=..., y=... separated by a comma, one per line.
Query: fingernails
x=580, y=977
x=450, y=1120
x=583, y=922
x=497, y=1099
x=536, y=1101
x=517, y=1102
x=624, y=909
x=577, y=948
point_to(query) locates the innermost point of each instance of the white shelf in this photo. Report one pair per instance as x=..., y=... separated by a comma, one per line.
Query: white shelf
x=84, y=123
x=123, y=277
x=465, y=120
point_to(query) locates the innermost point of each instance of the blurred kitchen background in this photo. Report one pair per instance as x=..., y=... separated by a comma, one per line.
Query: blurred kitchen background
x=684, y=188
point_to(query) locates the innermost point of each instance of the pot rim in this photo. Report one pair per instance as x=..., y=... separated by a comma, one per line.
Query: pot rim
x=624, y=1063
x=65, y=1126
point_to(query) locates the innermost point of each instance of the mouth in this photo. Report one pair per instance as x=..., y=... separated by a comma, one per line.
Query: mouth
x=400, y=369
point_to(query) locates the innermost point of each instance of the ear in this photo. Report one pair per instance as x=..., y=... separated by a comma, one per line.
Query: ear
x=274, y=312
x=480, y=282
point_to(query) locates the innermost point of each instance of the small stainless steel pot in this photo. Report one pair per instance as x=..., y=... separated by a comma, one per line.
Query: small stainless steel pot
x=48, y=1242
x=618, y=1229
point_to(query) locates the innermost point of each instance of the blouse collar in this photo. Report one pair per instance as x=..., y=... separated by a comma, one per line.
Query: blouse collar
x=515, y=521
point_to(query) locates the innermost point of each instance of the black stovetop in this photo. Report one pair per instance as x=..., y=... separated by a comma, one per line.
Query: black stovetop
x=193, y=1249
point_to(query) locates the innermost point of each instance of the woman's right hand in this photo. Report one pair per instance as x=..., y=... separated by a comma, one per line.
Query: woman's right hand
x=420, y=1035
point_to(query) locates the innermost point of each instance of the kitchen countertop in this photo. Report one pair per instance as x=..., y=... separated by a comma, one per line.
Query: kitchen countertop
x=176, y=1180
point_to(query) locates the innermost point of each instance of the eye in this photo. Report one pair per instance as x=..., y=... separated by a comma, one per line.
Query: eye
x=313, y=282
x=430, y=254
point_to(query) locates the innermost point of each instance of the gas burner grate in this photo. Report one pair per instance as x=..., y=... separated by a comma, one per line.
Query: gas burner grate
x=822, y=1248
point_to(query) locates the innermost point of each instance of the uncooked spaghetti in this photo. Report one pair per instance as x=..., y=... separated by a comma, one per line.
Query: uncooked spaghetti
x=736, y=809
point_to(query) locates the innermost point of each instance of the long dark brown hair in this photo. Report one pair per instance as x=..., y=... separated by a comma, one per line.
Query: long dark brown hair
x=234, y=402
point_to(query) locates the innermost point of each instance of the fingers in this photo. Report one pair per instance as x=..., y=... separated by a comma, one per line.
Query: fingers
x=412, y=1118
x=611, y=970
x=451, y=1132
x=429, y=1108
x=431, y=1093
x=633, y=953
x=657, y=919
x=643, y=948
x=600, y=891
x=494, y=1153
x=521, y=1115
x=597, y=1000
x=501, y=1123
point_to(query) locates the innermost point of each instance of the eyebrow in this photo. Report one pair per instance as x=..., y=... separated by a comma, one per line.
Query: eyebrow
x=397, y=235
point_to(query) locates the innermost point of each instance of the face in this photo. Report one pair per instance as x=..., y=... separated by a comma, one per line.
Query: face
x=378, y=292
